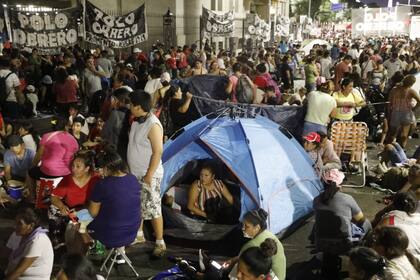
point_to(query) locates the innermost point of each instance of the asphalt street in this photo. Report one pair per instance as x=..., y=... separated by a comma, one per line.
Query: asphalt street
x=301, y=263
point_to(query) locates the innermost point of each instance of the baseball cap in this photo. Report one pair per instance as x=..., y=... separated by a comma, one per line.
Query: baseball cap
x=312, y=137
x=129, y=65
x=30, y=88
x=165, y=77
x=14, y=140
x=136, y=50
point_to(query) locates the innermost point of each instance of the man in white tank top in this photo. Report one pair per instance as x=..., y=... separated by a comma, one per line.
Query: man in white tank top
x=145, y=147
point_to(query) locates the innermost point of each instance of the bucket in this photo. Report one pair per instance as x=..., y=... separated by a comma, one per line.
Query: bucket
x=15, y=189
x=15, y=192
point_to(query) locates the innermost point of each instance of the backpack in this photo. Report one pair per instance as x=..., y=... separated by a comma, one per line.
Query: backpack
x=3, y=88
x=244, y=90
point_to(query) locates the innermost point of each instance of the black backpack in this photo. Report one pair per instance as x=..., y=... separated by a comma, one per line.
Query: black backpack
x=3, y=88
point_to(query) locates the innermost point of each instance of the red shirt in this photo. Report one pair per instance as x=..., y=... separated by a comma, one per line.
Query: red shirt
x=66, y=92
x=72, y=194
x=261, y=82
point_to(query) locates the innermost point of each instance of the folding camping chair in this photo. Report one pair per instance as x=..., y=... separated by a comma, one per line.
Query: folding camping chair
x=349, y=139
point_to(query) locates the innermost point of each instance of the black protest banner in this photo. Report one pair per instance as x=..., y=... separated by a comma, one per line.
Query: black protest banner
x=217, y=24
x=257, y=28
x=3, y=29
x=115, y=31
x=46, y=31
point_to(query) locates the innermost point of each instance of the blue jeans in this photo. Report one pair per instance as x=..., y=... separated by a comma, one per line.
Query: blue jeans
x=313, y=127
x=397, y=154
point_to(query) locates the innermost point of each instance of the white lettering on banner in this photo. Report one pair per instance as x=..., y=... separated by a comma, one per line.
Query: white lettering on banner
x=116, y=44
x=115, y=33
x=380, y=21
x=38, y=22
x=61, y=20
x=53, y=39
x=45, y=40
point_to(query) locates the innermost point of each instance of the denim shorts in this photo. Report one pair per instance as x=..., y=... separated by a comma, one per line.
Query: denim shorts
x=401, y=119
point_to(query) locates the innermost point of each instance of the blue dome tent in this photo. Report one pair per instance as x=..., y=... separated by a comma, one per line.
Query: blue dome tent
x=273, y=169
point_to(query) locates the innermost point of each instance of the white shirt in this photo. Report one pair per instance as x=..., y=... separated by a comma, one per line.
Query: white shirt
x=326, y=66
x=152, y=86
x=93, y=82
x=11, y=83
x=41, y=268
x=139, y=149
x=320, y=106
x=106, y=65
x=29, y=142
x=410, y=224
x=393, y=67
x=33, y=98
x=353, y=53
x=401, y=269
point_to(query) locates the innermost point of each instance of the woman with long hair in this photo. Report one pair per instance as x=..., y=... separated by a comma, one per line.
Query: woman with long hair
x=74, y=189
x=176, y=105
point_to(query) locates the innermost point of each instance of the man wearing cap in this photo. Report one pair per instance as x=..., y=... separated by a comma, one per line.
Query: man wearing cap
x=145, y=147
x=17, y=159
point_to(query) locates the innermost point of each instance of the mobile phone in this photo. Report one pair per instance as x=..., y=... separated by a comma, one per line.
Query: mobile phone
x=216, y=265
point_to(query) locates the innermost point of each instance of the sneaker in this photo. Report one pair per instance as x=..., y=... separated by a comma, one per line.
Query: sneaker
x=159, y=251
x=139, y=240
x=189, y=270
x=119, y=259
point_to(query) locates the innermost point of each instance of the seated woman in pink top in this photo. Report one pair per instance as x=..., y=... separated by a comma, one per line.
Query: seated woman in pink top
x=55, y=153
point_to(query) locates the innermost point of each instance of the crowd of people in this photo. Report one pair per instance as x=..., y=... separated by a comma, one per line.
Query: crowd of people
x=110, y=169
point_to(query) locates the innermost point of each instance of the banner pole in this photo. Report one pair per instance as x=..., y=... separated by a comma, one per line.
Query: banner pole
x=201, y=33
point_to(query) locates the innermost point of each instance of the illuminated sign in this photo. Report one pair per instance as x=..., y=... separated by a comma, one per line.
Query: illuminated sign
x=380, y=21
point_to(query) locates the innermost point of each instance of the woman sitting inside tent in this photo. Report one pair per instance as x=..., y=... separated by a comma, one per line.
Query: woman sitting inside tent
x=209, y=198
